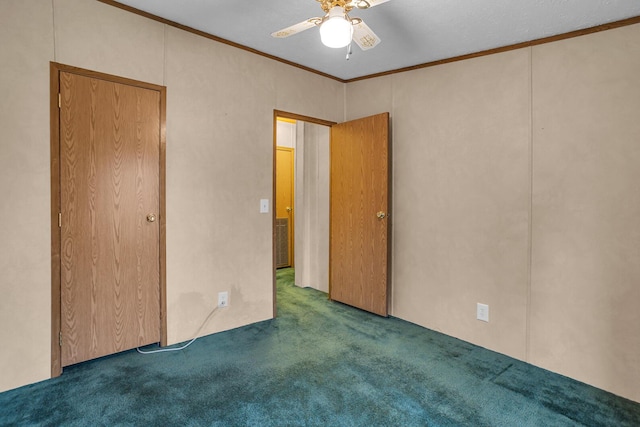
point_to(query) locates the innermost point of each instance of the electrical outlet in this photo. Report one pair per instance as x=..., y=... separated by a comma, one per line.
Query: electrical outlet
x=482, y=312
x=223, y=299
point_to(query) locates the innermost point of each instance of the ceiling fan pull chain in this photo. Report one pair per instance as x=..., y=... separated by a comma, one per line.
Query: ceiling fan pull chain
x=348, y=50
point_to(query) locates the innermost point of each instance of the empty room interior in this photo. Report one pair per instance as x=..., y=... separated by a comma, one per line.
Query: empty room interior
x=511, y=206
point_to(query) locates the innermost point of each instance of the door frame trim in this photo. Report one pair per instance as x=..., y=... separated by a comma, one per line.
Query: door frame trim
x=297, y=117
x=54, y=72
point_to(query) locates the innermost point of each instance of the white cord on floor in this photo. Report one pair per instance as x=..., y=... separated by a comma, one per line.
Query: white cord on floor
x=162, y=350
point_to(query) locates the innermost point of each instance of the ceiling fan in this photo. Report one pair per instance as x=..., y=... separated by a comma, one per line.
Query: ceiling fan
x=337, y=28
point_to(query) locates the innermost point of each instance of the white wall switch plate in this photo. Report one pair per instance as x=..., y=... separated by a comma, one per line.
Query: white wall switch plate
x=483, y=312
x=264, y=205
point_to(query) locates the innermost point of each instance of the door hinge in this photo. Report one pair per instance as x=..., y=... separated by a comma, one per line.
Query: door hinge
x=59, y=100
x=60, y=338
x=59, y=219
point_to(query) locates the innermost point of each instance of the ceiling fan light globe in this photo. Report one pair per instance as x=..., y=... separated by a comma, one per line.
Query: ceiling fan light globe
x=336, y=31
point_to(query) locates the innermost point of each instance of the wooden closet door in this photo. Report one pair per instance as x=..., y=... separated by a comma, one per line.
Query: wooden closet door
x=109, y=181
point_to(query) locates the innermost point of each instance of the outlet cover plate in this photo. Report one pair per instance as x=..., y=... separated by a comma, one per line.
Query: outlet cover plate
x=223, y=299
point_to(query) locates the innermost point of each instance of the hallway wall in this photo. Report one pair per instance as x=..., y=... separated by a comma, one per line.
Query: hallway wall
x=312, y=206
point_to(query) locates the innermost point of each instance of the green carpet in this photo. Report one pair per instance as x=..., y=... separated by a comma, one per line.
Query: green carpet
x=318, y=364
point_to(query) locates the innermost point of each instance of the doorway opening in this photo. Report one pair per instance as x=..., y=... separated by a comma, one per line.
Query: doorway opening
x=354, y=186
x=301, y=221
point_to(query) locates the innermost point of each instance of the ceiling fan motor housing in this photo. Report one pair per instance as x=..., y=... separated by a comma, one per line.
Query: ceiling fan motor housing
x=347, y=5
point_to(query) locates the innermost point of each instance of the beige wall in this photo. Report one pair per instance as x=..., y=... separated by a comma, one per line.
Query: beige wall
x=461, y=144
x=26, y=34
x=286, y=134
x=585, y=282
x=220, y=103
x=516, y=185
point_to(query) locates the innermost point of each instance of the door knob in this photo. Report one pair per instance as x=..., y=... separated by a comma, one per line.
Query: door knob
x=289, y=209
x=151, y=217
x=381, y=215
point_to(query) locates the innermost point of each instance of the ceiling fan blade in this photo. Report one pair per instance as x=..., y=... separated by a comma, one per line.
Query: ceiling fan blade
x=297, y=28
x=366, y=4
x=364, y=36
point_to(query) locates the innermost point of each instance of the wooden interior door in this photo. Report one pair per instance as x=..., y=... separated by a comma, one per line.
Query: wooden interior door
x=359, y=226
x=284, y=206
x=109, y=198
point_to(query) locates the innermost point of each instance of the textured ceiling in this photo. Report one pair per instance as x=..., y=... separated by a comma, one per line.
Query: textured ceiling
x=413, y=32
